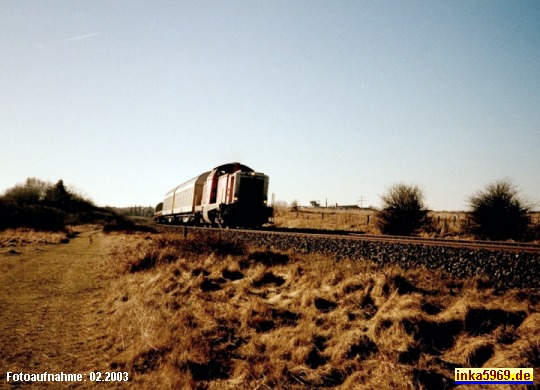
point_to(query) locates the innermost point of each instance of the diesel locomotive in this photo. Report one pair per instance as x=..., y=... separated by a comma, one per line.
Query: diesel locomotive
x=230, y=195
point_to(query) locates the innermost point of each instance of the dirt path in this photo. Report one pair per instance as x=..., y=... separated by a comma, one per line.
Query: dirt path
x=51, y=309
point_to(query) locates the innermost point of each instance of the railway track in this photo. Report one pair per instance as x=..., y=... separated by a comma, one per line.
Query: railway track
x=454, y=243
x=472, y=244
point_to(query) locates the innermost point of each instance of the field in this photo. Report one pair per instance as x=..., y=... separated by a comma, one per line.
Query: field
x=202, y=313
x=445, y=224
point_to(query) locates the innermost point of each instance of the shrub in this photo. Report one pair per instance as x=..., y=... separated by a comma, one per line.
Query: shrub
x=34, y=215
x=403, y=212
x=119, y=223
x=498, y=212
x=44, y=206
x=31, y=192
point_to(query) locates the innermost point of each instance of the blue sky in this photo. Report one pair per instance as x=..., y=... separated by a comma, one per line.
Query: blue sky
x=334, y=100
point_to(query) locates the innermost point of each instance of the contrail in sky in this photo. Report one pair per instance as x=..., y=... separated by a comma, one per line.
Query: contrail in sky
x=77, y=38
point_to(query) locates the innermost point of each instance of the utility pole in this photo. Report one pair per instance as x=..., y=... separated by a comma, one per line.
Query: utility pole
x=361, y=201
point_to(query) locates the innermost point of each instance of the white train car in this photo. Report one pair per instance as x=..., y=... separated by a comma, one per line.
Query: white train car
x=180, y=203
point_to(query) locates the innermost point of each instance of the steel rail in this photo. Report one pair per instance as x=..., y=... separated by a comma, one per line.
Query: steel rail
x=455, y=243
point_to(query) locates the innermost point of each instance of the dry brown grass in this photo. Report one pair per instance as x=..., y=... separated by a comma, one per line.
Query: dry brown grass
x=191, y=314
x=24, y=236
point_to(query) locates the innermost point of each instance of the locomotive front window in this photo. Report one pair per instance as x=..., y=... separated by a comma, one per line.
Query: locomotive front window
x=250, y=190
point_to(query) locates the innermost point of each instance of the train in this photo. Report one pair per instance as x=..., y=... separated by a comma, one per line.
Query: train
x=230, y=195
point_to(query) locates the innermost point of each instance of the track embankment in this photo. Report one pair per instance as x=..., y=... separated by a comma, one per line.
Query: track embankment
x=504, y=269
